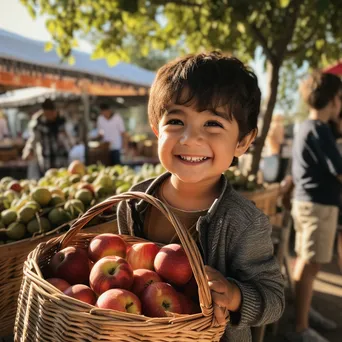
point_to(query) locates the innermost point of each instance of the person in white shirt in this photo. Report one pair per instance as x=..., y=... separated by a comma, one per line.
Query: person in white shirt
x=112, y=129
x=3, y=126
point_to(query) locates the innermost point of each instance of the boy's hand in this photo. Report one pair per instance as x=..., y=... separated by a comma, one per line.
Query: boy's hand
x=226, y=295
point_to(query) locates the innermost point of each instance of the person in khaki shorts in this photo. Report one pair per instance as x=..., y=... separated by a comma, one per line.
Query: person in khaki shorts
x=317, y=175
x=315, y=226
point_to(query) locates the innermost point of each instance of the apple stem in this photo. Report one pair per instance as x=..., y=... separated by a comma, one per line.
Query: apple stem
x=128, y=306
x=166, y=306
x=111, y=271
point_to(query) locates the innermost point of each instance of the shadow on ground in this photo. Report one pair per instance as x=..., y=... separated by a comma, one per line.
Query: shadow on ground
x=327, y=300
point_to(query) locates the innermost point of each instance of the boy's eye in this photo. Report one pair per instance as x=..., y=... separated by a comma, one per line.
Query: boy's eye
x=174, y=122
x=214, y=124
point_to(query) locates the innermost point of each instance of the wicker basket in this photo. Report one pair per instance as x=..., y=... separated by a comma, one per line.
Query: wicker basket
x=265, y=199
x=46, y=314
x=12, y=258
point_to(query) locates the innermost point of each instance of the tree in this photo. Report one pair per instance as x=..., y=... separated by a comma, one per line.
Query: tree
x=287, y=30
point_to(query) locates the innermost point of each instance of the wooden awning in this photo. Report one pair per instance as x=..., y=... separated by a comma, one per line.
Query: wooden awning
x=14, y=76
x=25, y=63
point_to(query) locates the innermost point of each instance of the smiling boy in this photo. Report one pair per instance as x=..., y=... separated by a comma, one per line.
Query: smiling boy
x=204, y=109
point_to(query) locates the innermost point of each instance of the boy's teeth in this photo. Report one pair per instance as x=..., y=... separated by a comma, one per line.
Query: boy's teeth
x=193, y=159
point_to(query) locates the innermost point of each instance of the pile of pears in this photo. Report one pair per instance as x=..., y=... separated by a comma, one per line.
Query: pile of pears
x=31, y=208
x=243, y=182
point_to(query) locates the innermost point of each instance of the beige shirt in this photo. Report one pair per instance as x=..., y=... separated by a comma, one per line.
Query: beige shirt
x=158, y=228
x=112, y=130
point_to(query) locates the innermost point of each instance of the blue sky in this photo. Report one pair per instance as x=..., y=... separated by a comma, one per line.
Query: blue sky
x=15, y=17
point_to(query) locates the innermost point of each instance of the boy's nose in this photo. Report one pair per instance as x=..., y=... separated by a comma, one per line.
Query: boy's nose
x=191, y=135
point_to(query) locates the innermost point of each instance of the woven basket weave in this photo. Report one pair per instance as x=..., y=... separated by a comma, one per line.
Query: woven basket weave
x=46, y=314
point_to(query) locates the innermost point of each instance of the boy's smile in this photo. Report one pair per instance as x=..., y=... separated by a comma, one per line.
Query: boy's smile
x=193, y=159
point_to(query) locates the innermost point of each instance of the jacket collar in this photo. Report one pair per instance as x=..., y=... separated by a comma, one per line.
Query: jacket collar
x=226, y=188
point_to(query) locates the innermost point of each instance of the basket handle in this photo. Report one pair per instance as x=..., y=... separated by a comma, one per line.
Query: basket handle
x=185, y=238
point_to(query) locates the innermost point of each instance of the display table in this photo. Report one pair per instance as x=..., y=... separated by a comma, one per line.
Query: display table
x=14, y=168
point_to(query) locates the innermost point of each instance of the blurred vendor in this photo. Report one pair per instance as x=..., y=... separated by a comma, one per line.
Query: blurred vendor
x=3, y=126
x=112, y=129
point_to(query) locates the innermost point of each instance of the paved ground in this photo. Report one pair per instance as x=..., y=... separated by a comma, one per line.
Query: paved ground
x=327, y=300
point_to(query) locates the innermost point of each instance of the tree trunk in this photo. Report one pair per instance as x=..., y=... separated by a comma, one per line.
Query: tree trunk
x=273, y=81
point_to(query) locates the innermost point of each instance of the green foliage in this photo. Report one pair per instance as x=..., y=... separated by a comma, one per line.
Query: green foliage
x=290, y=77
x=299, y=30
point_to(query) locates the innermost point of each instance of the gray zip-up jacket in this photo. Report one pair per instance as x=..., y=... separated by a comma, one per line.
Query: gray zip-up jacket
x=234, y=238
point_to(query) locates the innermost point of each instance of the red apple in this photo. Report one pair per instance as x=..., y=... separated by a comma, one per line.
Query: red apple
x=111, y=272
x=15, y=186
x=172, y=264
x=91, y=264
x=128, y=248
x=71, y=264
x=160, y=298
x=120, y=300
x=142, y=278
x=87, y=186
x=81, y=292
x=190, y=289
x=77, y=167
x=105, y=245
x=188, y=306
x=60, y=284
x=141, y=255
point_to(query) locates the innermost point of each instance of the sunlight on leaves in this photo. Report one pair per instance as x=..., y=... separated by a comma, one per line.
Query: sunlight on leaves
x=284, y=3
x=48, y=47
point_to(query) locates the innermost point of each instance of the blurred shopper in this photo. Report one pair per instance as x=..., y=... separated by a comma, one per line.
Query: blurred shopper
x=4, y=133
x=112, y=129
x=336, y=127
x=317, y=171
x=48, y=141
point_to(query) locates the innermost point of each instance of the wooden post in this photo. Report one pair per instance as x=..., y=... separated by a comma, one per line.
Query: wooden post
x=85, y=121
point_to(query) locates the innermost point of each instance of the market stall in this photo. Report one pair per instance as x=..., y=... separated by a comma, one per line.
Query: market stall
x=25, y=63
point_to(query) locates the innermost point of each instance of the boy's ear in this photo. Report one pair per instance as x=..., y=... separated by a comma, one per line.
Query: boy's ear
x=155, y=131
x=245, y=142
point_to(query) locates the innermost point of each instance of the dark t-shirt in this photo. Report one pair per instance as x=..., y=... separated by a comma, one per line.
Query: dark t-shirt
x=316, y=164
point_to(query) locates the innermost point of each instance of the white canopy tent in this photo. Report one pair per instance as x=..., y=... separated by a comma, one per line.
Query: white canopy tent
x=27, y=96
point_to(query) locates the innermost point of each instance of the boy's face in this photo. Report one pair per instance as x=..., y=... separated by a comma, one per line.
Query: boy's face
x=198, y=146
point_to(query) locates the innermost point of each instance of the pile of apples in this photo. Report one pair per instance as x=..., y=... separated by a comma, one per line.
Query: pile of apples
x=140, y=279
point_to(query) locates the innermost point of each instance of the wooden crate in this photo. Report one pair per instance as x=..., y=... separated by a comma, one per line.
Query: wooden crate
x=12, y=257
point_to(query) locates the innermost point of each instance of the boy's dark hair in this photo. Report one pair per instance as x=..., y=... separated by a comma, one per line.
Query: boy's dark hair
x=48, y=105
x=319, y=89
x=209, y=80
x=104, y=106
